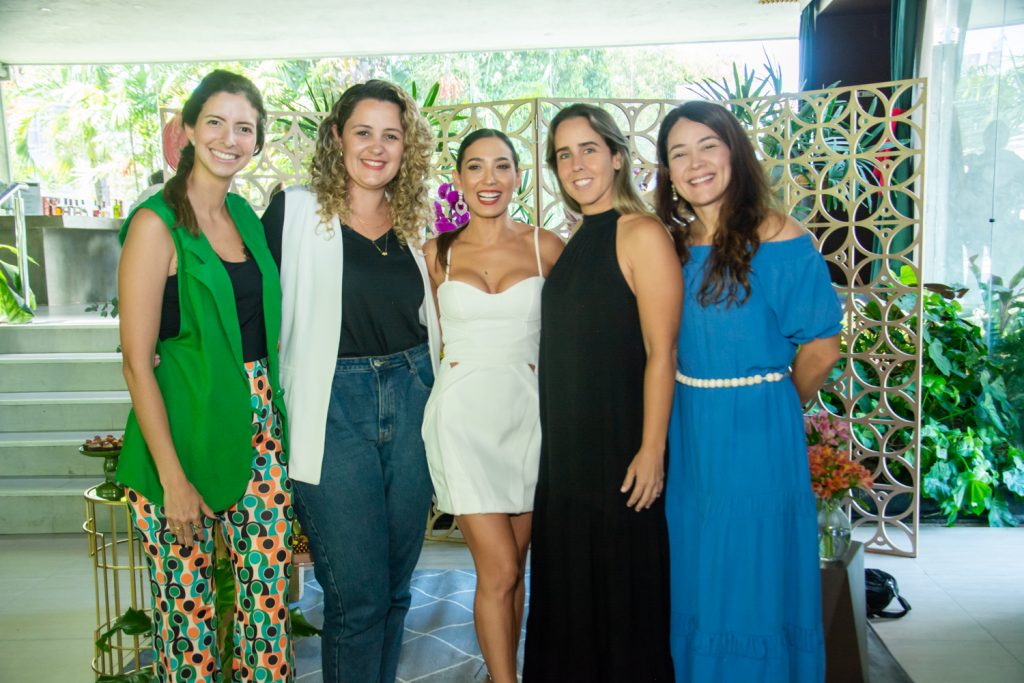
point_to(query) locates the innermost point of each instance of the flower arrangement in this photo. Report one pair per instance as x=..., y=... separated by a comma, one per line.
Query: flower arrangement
x=455, y=215
x=833, y=473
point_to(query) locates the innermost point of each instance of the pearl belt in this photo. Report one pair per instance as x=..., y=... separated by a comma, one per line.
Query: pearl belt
x=729, y=381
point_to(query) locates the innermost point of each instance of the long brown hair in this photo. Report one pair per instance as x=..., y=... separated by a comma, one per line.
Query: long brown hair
x=745, y=206
x=445, y=239
x=407, y=191
x=625, y=197
x=175, y=191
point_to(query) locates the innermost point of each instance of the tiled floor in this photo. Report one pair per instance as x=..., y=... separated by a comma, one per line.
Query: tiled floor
x=966, y=588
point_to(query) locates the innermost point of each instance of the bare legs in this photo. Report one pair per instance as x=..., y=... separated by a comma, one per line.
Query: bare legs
x=498, y=543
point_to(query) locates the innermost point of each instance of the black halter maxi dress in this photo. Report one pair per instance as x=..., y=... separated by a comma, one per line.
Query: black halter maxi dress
x=599, y=571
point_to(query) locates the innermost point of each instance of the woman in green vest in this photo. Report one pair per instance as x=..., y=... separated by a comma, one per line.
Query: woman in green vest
x=198, y=286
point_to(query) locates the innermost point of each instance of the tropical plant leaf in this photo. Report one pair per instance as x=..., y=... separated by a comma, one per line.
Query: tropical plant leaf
x=907, y=276
x=1017, y=278
x=132, y=623
x=1014, y=477
x=935, y=352
x=14, y=250
x=224, y=601
x=301, y=628
x=11, y=308
x=431, y=97
x=11, y=275
x=988, y=406
x=938, y=481
x=978, y=494
x=999, y=514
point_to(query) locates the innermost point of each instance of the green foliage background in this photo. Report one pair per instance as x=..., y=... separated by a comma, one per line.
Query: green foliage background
x=94, y=131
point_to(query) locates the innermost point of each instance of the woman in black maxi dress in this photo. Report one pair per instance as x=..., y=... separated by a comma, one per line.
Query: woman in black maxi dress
x=599, y=568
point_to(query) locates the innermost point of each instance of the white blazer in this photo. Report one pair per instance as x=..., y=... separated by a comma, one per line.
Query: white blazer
x=311, y=277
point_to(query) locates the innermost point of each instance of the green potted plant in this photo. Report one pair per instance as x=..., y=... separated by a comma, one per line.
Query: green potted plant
x=13, y=307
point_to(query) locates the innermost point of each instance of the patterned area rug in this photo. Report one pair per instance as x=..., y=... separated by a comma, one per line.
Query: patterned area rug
x=440, y=643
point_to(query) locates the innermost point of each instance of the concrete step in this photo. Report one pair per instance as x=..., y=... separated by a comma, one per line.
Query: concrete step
x=48, y=454
x=43, y=505
x=37, y=411
x=61, y=371
x=94, y=336
x=60, y=383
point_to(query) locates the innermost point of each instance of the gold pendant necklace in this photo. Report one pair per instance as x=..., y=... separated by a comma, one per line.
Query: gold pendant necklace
x=384, y=251
x=387, y=235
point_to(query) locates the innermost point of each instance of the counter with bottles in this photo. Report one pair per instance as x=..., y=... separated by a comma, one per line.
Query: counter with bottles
x=77, y=257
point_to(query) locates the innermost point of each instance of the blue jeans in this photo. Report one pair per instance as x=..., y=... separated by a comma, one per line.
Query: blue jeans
x=366, y=518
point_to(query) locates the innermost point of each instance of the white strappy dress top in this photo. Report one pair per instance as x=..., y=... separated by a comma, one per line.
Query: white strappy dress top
x=481, y=425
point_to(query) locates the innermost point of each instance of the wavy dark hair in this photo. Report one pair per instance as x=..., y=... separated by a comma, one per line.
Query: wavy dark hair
x=446, y=239
x=176, y=189
x=407, y=192
x=746, y=205
x=625, y=197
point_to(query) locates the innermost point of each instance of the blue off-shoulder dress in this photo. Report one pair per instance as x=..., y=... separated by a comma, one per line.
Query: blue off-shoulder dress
x=745, y=582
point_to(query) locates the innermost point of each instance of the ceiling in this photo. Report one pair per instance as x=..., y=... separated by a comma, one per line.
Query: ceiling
x=125, y=31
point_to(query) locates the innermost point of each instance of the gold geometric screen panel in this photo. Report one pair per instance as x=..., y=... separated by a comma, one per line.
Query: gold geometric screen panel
x=847, y=163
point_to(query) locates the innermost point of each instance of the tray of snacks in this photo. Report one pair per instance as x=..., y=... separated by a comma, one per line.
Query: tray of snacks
x=109, y=448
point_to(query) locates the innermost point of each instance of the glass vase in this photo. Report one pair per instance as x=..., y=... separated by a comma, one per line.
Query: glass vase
x=833, y=530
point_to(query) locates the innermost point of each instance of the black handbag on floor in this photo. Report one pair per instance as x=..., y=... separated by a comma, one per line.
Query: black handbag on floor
x=879, y=590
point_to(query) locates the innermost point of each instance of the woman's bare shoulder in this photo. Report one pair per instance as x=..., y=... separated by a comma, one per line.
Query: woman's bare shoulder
x=147, y=217
x=147, y=228
x=643, y=228
x=643, y=221
x=779, y=227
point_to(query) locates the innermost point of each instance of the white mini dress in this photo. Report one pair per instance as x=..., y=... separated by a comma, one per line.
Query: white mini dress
x=481, y=425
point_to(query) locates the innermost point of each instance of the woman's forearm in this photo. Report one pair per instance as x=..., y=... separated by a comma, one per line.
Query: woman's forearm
x=812, y=365
x=659, y=386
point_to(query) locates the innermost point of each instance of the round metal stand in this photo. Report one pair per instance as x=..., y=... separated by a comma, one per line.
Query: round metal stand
x=120, y=578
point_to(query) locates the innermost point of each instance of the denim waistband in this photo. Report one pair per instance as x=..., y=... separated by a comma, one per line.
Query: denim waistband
x=400, y=359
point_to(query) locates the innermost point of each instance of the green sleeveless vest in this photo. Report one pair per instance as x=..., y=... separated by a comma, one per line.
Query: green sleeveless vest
x=201, y=373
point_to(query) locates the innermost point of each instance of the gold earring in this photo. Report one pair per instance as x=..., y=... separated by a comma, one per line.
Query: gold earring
x=675, y=195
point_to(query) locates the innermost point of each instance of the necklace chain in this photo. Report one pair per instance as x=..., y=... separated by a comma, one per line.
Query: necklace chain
x=384, y=251
x=387, y=235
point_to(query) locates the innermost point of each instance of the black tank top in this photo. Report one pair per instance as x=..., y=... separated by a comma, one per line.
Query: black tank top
x=247, y=282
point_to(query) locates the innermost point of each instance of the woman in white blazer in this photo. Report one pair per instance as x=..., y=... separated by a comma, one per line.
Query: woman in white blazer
x=359, y=347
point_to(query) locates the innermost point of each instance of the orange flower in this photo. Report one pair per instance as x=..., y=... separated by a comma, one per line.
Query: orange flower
x=832, y=470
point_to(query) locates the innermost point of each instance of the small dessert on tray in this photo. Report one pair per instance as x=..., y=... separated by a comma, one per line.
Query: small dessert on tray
x=99, y=444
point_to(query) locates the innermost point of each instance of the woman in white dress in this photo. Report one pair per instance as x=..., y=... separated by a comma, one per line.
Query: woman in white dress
x=481, y=425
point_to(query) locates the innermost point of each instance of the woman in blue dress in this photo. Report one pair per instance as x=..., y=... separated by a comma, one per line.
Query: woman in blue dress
x=758, y=336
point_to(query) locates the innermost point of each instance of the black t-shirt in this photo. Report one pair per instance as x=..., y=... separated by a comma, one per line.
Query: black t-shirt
x=380, y=295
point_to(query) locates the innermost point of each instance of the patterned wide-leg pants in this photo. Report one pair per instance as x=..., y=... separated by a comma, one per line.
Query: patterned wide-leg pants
x=257, y=531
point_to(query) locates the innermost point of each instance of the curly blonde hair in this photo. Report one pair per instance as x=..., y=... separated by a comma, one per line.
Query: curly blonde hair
x=407, y=192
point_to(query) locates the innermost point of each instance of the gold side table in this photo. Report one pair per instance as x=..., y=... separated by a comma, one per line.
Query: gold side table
x=121, y=581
